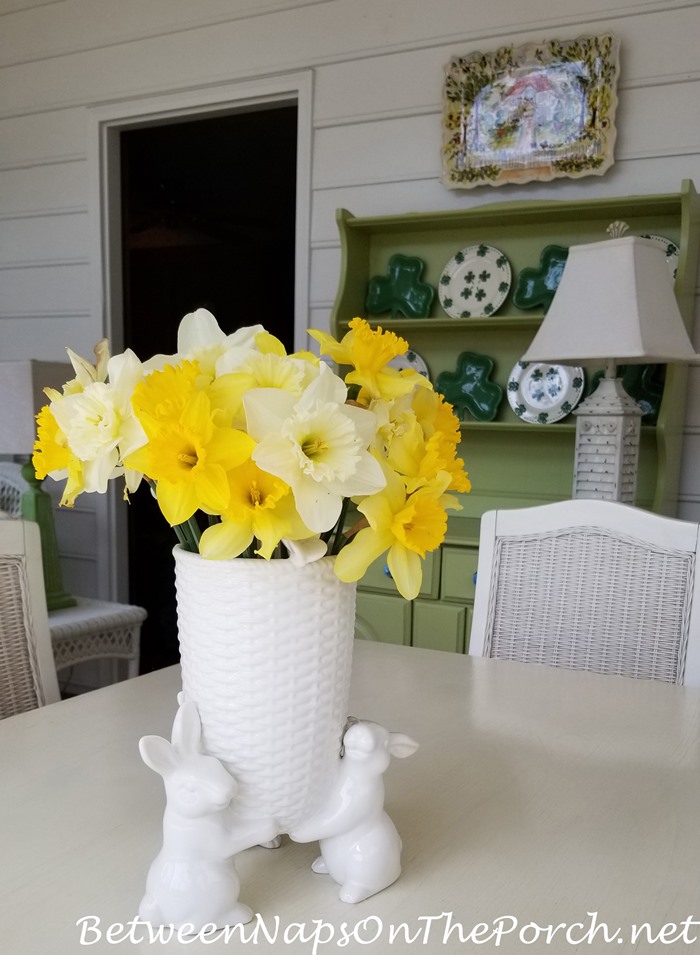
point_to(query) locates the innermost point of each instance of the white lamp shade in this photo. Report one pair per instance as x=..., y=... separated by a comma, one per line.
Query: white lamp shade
x=615, y=301
x=22, y=395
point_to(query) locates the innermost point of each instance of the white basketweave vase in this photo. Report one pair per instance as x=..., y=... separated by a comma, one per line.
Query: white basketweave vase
x=266, y=654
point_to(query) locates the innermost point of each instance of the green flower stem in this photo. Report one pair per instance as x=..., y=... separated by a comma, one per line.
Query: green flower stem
x=188, y=534
x=338, y=540
x=195, y=532
x=181, y=536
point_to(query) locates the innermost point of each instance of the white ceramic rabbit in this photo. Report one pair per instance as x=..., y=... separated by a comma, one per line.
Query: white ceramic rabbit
x=360, y=847
x=193, y=880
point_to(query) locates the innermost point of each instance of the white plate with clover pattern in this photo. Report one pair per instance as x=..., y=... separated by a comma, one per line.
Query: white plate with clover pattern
x=541, y=393
x=671, y=250
x=475, y=282
x=411, y=359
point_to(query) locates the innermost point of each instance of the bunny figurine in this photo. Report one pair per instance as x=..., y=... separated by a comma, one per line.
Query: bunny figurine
x=360, y=847
x=193, y=880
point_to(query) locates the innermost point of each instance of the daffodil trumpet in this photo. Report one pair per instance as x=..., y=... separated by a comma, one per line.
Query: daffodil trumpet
x=268, y=448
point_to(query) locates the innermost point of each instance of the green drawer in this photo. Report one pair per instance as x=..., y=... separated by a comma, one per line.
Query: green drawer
x=438, y=626
x=377, y=579
x=383, y=618
x=458, y=570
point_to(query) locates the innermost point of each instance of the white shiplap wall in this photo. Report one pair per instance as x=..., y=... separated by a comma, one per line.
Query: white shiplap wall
x=376, y=67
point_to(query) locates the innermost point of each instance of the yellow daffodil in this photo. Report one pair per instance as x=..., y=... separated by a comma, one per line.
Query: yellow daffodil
x=418, y=461
x=267, y=442
x=261, y=507
x=369, y=351
x=53, y=456
x=435, y=414
x=162, y=395
x=188, y=457
x=403, y=526
x=361, y=346
x=441, y=455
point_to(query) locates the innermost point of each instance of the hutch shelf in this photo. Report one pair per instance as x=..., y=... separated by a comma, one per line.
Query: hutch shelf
x=511, y=463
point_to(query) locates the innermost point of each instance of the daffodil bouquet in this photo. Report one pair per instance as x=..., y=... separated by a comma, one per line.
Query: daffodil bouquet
x=253, y=452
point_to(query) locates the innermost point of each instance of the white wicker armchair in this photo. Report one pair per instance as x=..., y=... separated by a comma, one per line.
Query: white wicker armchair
x=27, y=671
x=12, y=487
x=590, y=585
x=92, y=629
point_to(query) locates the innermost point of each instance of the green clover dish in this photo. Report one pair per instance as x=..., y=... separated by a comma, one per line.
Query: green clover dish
x=401, y=290
x=469, y=388
x=536, y=286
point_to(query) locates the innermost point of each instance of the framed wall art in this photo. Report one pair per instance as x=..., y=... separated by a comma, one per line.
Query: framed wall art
x=537, y=111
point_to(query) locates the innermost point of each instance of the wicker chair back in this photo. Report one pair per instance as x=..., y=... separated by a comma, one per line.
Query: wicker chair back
x=27, y=669
x=589, y=585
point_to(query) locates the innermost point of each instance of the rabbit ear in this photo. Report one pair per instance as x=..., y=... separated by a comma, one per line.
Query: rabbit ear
x=401, y=745
x=187, y=729
x=158, y=754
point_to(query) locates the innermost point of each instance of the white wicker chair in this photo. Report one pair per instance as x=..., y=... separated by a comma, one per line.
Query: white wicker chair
x=92, y=629
x=590, y=585
x=12, y=487
x=27, y=670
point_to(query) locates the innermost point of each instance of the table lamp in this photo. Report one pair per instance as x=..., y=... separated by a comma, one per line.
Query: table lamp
x=21, y=397
x=614, y=303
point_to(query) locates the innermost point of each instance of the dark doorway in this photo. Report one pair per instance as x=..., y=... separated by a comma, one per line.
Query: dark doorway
x=208, y=221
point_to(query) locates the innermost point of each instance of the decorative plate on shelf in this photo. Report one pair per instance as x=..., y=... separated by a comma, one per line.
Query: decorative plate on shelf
x=469, y=388
x=475, y=282
x=411, y=359
x=671, y=250
x=541, y=393
x=536, y=286
x=401, y=291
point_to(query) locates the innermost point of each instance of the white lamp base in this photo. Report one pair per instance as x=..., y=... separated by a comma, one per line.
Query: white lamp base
x=608, y=424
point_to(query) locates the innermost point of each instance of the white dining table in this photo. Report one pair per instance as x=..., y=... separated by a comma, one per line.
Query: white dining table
x=545, y=811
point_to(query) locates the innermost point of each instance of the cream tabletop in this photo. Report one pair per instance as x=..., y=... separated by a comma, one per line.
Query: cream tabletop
x=545, y=811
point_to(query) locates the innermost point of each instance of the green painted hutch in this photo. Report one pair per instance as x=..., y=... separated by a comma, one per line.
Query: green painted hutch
x=511, y=463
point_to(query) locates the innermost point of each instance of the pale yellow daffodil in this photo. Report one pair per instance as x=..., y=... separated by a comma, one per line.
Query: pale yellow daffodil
x=317, y=445
x=268, y=367
x=85, y=371
x=200, y=339
x=99, y=424
x=403, y=526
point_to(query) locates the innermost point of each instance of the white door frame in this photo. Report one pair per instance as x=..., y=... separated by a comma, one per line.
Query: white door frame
x=106, y=121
